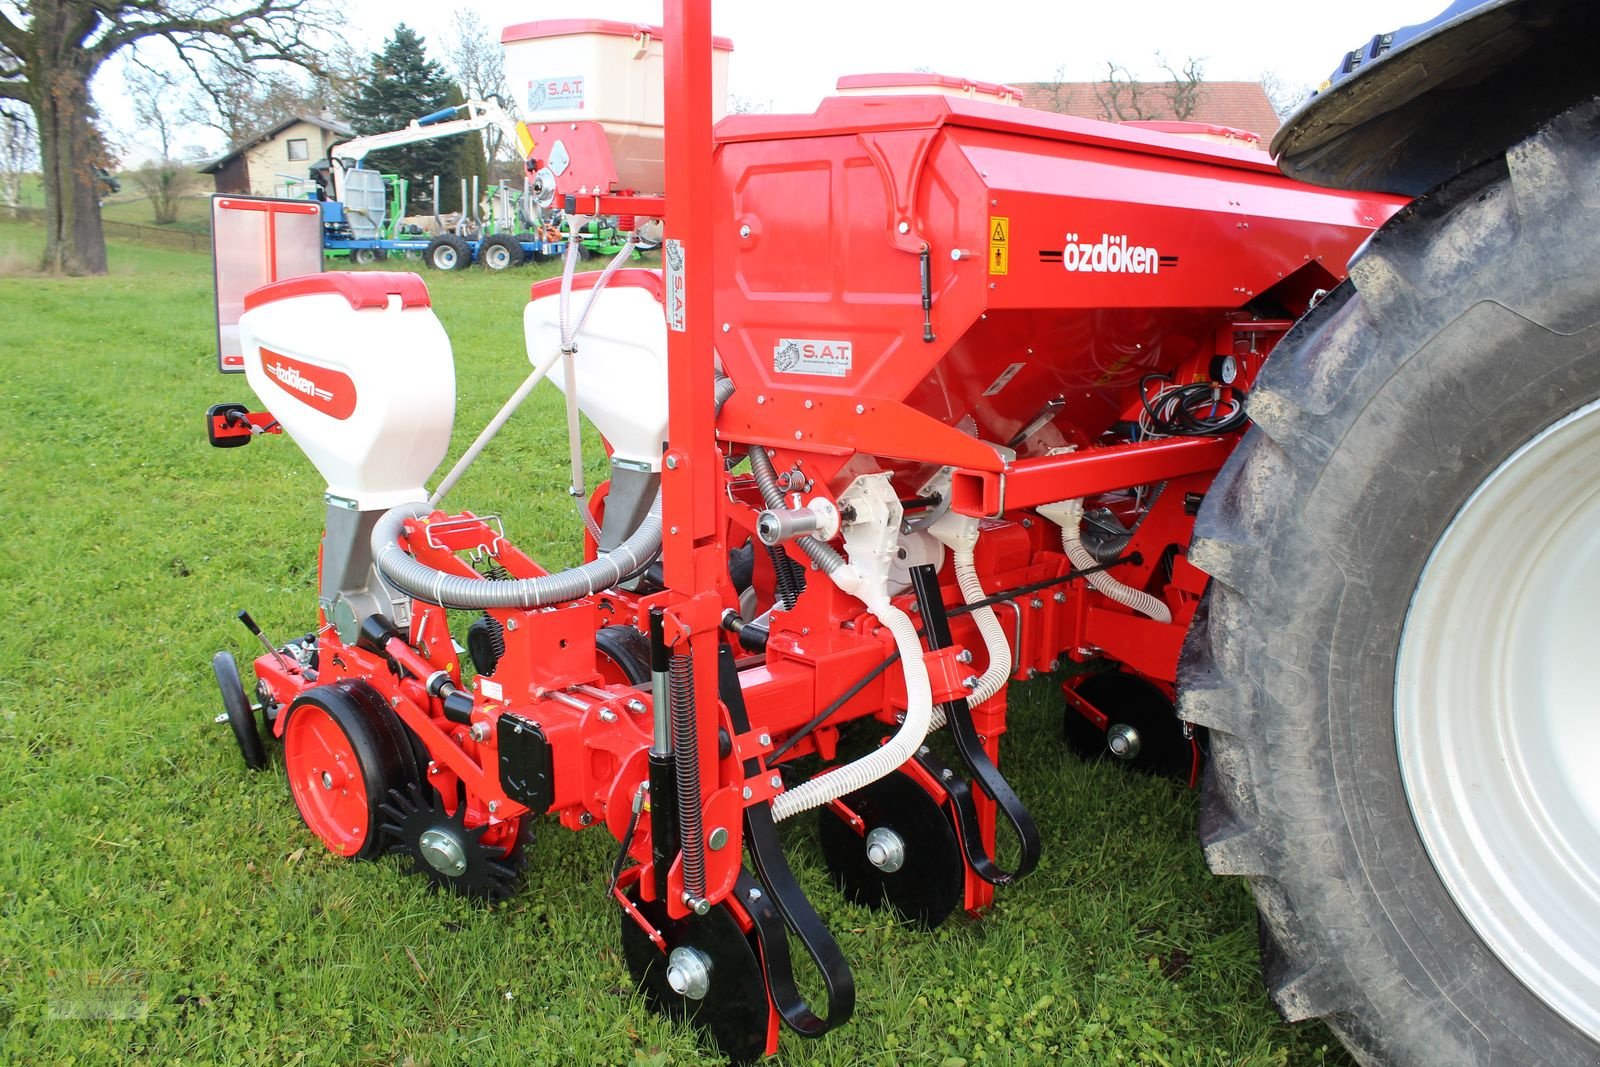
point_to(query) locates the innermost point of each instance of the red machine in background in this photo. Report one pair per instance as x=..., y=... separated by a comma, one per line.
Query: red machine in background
x=947, y=383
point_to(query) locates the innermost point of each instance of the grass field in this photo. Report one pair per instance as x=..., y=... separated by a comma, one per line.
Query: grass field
x=160, y=904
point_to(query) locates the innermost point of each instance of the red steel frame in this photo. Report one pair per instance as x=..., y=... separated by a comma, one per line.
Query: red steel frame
x=598, y=727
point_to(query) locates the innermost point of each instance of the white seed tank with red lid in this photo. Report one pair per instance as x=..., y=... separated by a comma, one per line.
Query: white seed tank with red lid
x=359, y=372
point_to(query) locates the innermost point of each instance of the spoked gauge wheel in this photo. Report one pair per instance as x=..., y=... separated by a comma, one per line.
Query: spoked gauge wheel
x=1396, y=658
x=444, y=849
x=902, y=853
x=709, y=975
x=1142, y=729
x=344, y=751
x=237, y=707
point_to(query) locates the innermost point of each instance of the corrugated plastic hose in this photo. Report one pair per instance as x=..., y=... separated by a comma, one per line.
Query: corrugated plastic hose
x=419, y=580
x=995, y=675
x=888, y=756
x=1068, y=514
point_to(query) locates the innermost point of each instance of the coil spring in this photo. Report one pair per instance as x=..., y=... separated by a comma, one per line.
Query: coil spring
x=686, y=753
x=791, y=578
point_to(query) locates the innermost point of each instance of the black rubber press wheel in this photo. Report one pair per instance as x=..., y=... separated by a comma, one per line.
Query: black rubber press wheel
x=237, y=707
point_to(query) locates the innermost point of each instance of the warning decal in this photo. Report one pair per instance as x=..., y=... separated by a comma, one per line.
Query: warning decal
x=999, y=244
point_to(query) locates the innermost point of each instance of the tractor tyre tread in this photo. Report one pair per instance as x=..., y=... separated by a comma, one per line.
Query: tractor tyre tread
x=1461, y=319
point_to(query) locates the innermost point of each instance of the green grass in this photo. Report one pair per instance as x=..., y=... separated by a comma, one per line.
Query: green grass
x=145, y=873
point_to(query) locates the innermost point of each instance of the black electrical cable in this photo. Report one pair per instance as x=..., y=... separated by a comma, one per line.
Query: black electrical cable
x=1175, y=411
x=894, y=657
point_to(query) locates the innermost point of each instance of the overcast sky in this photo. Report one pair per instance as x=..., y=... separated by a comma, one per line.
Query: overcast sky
x=790, y=54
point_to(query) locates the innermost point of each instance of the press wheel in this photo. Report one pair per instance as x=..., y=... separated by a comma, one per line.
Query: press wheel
x=903, y=828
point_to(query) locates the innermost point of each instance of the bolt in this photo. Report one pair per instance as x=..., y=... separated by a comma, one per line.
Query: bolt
x=494, y=806
x=607, y=715
x=755, y=894
x=744, y=231
x=1027, y=523
x=394, y=702
x=964, y=656
x=1123, y=740
x=479, y=731
x=861, y=409
x=726, y=327
x=776, y=781
x=511, y=624
x=635, y=706
x=761, y=398
x=886, y=850
x=923, y=751
x=970, y=681
x=689, y=973
x=748, y=793
x=672, y=463
x=904, y=227
x=947, y=774
x=798, y=435
x=1035, y=603
x=586, y=819
x=327, y=780
x=1054, y=664
x=674, y=531
x=718, y=838
x=1060, y=598
x=765, y=739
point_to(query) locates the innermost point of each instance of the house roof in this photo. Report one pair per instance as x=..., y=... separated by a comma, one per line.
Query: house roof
x=1237, y=105
x=331, y=125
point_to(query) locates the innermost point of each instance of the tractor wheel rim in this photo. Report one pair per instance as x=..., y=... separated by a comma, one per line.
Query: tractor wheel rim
x=1494, y=714
x=445, y=258
x=325, y=778
x=497, y=258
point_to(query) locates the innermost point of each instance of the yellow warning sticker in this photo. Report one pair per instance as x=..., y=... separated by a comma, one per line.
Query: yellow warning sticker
x=999, y=244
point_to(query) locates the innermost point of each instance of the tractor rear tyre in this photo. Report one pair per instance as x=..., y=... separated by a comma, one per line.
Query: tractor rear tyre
x=344, y=751
x=1396, y=660
x=499, y=252
x=448, y=252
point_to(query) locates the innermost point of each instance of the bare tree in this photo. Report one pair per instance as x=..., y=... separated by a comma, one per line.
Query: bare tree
x=18, y=153
x=477, y=61
x=240, y=107
x=167, y=180
x=1121, y=98
x=1285, y=96
x=51, y=49
x=1187, y=84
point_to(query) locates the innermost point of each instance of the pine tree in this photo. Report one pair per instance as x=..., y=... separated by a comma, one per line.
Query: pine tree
x=403, y=84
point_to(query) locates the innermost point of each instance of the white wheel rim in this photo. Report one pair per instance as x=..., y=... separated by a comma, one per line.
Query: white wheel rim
x=444, y=258
x=497, y=257
x=1497, y=714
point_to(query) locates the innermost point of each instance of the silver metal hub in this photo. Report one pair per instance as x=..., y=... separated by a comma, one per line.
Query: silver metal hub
x=1495, y=717
x=1123, y=740
x=689, y=972
x=886, y=850
x=327, y=780
x=443, y=852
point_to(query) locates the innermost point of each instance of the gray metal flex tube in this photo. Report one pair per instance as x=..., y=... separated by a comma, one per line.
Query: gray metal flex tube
x=456, y=591
x=821, y=553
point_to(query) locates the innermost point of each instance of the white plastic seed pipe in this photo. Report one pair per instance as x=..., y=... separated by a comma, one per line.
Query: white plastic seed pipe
x=995, y=644
x=888, y=756
x=1068, y=514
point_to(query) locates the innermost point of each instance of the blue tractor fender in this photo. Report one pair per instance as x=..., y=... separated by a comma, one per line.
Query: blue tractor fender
x=1416, y=106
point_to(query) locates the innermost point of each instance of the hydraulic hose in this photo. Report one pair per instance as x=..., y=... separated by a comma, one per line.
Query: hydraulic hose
x=419, y=580
x=888, y=756
x=1068, y=514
